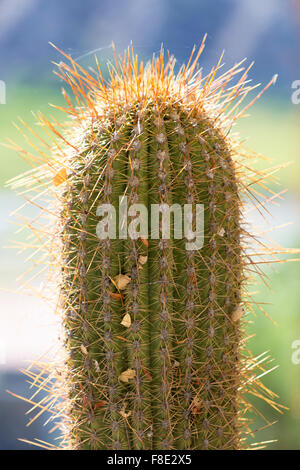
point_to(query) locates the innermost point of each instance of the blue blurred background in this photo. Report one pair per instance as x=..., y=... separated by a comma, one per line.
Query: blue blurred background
x=267, y=31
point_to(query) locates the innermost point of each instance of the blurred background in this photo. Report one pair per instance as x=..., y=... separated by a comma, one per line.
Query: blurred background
x=267, y=32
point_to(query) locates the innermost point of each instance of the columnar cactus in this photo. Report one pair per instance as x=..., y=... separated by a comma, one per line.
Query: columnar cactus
x=153, y=323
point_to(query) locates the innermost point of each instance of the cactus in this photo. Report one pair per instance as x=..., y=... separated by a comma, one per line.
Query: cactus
x=154, y=330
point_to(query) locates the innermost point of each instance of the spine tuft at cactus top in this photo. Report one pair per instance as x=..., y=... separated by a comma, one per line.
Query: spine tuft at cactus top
x=147, y=186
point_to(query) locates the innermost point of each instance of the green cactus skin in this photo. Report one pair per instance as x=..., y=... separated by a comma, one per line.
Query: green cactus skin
x=175, y=376
x=182, y=344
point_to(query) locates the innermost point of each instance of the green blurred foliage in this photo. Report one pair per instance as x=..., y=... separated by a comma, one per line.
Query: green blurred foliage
x=22, y=101
x=272, y=130
x=282, y=303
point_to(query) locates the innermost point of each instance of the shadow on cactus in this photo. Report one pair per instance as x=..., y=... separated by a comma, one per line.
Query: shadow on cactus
x=154, y=348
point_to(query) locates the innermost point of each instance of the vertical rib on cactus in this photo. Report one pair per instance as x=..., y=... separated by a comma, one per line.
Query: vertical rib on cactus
x=155, y=358
x=137, y=292
x=160, y=301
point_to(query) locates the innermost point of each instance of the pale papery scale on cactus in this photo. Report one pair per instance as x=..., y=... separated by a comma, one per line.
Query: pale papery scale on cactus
x=154, y=353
